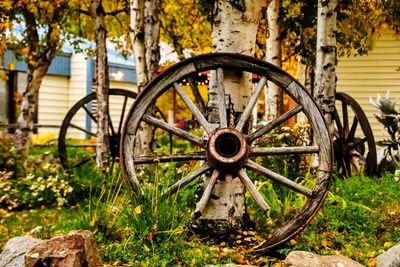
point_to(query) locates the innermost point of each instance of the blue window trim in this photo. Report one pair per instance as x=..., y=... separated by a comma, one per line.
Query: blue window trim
x=60, y=66
x=89, y=86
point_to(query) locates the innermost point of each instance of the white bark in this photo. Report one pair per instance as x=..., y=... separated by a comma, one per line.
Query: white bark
x=137, y=39
x=102, y=87
x=273, y=95
x=304, y=76
x=145, y=32
x=234, y=30
x=325, y=74
x=152, y=36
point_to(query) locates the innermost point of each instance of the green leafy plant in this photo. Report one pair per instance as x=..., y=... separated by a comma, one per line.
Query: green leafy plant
x=389, y=117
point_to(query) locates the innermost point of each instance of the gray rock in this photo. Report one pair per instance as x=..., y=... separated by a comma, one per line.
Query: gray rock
x=307, y=259
x=14, y=251
x=390, y=258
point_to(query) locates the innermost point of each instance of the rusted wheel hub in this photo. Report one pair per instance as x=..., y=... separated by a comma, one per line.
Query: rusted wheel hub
x=227, y=150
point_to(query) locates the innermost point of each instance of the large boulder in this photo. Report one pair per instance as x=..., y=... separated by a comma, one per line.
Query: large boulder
x=390, y=258
x=307, y=259
x=74, y=250
x=14, y=251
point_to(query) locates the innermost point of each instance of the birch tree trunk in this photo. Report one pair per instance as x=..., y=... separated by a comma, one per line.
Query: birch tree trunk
x=325, y=73
x=234, y=30
x=145, y=37
x=102, y=85
x=137, y=39
x=273, y=95
x=40, y=60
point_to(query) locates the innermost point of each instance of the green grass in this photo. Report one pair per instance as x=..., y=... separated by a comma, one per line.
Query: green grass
x=360, y=219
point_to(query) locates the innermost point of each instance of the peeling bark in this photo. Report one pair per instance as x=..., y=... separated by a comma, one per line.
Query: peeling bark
x=102, y=86
x=39, y=61
x=137, y=39
x=325, y=74
x=145, y=35
x=273, y=95
x=234, y=30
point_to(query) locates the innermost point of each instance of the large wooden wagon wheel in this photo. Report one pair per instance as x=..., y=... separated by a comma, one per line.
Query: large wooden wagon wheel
x=77, y=142
x=227, y=150
x=354, y=142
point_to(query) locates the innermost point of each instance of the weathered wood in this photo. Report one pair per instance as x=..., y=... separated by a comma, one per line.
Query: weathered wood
x=170, y=158
x=183, y=182
x=174, y=130
x=252, y=190
x=221, y=98
x=195, y=111
x=82, y=145
x=305, y=104
x=273, y=124
x=285, y=150
x=206, y=194
x=89, y=113
x=250, y=105
x=83, y=130
x=80, y=163
x=278, y=178
x=121, y=119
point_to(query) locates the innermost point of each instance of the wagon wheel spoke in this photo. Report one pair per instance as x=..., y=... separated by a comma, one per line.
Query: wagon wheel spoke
x=83, y=130
x=110, y=123
x=278, y=178
x=252, y=190
x=273, y=124
x=170, y=158
x=89, y=113
x=221, y=98
x=81, y=145
x=359, y=142
x=193, y=108
x=186, y=180
x=121, y=119
x=338, y=124
x=250, y=106
x=268, y=151
x=80, y=163
x=345, y=120
x=206, y=194
x=353, y=129
x=174, y=130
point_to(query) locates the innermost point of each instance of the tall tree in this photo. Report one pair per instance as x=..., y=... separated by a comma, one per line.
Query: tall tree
x=32, y=29
x=145, y=36
x=273, y=95
x=95, y=26
x=234, y=29
x=98, y=14
x=325, y=76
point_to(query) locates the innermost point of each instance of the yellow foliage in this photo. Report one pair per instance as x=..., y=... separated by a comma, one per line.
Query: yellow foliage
x=11, y=66
x=43, y=138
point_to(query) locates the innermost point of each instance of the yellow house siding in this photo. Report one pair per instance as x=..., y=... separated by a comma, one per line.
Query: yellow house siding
x=53, y=102
x=372, y=74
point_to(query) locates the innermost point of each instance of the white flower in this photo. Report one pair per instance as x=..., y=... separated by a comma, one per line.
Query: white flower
x=397, y=175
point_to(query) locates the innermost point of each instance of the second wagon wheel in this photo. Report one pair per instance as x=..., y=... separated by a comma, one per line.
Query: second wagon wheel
x=229, y=151
x=77, y=137
x=354, y=142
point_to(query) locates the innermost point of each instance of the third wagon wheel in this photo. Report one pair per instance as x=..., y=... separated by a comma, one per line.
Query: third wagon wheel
x=285, y=190
x=354, y=142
